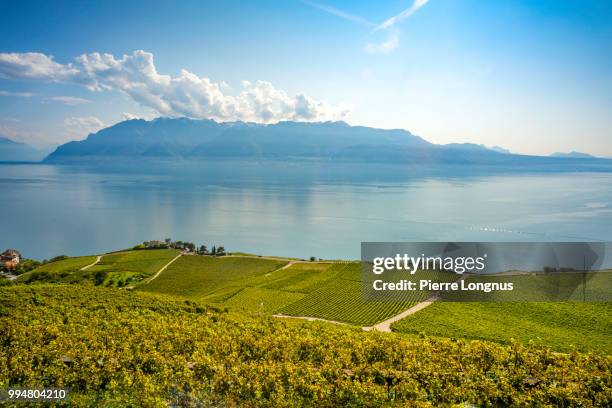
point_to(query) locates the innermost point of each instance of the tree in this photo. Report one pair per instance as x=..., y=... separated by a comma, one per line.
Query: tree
x=99, y=277
x=203, y=250
x=312, y=259
x=220, y=251
x=213, y=251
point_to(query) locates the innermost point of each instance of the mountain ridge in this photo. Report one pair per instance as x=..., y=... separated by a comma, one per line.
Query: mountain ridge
x=194, y=139
x=12, y=151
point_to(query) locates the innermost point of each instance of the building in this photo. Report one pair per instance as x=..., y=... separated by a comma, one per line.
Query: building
x=10, y=258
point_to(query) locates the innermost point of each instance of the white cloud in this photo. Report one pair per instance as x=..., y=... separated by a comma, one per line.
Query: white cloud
x=184, y=95
x=18, y=94
x=69, y=100
x=130, y=116
x=15, y=130
x=34, y=65
x=390, y=22
x=389, y=44
x=339, y=13
x=80, y=127
x=385, y=46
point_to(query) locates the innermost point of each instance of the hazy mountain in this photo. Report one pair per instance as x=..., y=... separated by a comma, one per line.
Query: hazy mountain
x=500, y=149
x=573, y=155
x=15, y=151
x=206, y=139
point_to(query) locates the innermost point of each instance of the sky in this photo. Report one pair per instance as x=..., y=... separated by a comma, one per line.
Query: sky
x=532, y=76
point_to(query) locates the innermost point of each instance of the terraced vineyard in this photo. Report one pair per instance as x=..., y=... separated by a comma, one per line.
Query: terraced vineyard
x=332, y=291
x=261, y=299
x=329, y=291
x=562, y=326
x=132, y=267
x=117, y=348
x=114, y=269
x=65, y=270
x=200, y=276
x=340, y=299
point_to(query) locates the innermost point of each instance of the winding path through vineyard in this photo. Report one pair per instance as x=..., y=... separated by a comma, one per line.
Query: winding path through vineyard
x=86, y=267
x=163, y=268
x=385, y=326
x=310, y=319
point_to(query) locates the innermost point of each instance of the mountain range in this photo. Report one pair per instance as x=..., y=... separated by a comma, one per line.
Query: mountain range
x=182, y=138
x=11, y=151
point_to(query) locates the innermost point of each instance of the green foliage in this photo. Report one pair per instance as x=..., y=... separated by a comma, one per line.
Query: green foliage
x=62, y=270
x=26, y=265
x=58, y=258
x=125, y=348
x=562, y=326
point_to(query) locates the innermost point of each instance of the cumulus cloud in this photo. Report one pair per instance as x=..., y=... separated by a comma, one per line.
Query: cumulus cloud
x=34, y=65
x=184, y=95
x=79, y=127
x=130, y=116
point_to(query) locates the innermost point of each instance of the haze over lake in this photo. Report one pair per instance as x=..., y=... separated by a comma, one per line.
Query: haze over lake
x=291, y=209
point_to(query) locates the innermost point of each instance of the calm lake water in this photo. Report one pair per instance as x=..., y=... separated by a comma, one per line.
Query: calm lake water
x=291, y=210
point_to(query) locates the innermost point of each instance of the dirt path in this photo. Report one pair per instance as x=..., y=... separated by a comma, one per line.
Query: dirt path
x=98, y=258
x=385, y=326
x=163, y=268
x=310, y=319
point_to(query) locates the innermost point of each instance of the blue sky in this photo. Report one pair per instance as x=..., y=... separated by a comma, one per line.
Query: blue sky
x=531, y=76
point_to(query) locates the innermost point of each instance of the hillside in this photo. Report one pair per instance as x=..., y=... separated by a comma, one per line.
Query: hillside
x=189, y=139
x=332, y=291
x=114, y=347
x=573, y=155
x=11, y=151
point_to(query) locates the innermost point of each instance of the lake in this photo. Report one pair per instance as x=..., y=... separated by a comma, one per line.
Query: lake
x=291, y=209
